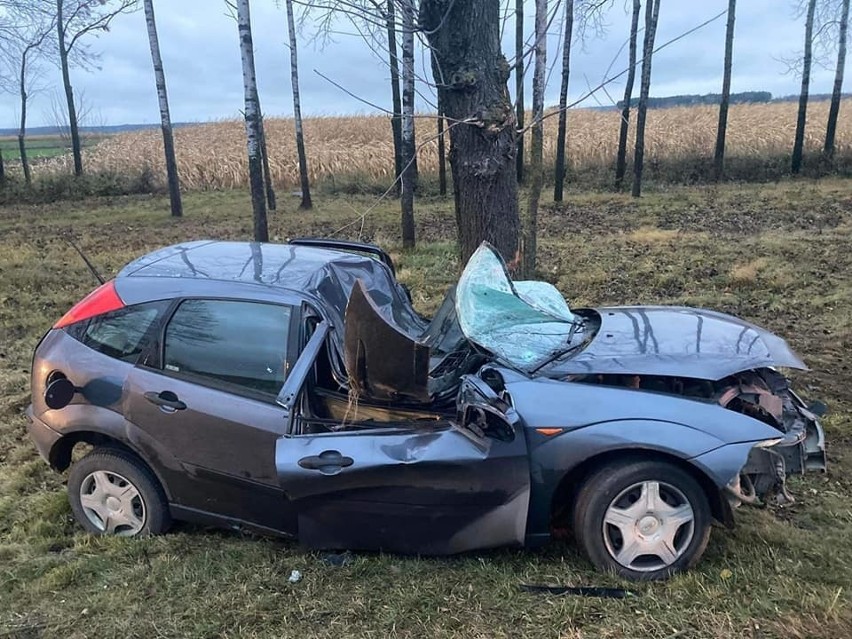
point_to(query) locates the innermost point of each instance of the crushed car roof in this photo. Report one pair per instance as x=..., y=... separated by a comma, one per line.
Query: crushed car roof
x=326, y=274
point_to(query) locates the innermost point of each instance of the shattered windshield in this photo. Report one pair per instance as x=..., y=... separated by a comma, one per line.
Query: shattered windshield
x=519, y=322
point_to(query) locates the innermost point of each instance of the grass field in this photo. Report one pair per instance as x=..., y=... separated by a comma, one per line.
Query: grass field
x=40, y=147
x=349, y=153
x=774, y=254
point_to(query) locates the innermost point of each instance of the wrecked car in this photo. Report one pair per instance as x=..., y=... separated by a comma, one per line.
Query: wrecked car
x=293, y=389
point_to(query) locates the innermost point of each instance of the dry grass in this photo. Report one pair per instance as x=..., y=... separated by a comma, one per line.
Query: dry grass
x=782, y=573
x=213, y=156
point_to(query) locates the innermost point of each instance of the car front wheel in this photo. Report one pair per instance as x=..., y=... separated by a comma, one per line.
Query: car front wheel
x=643, y=520
x=114, y=493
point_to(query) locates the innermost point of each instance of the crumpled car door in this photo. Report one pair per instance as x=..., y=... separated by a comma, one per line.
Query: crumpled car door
x=440, y=488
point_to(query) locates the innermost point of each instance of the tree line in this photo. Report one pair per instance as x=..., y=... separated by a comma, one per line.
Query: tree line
x=493, y=147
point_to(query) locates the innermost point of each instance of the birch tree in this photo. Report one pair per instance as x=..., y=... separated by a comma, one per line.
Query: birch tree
x=297, y=111
x=165, y=117
x=29, y=25
x=652, y=14
x=802, y=115
x=254, y=125
x=75, y=20
x=409, y=147
x=568, y=29
x=621, y=158
x=396, y=99
x=529, y=224
x=834, y=109
x=721, y=130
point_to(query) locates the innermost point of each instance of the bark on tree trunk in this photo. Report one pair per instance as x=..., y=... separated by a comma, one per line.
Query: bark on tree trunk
x=409, y=146
x=563, y=101
x=519, y=85
x=69, y=91
x=254, y=130
x=799, y=143
x=267, y=173
x=2, y=169
x=652, y=13
x=834, y=109
x=529, y=224
x=304, y=181
x=721, y=131
x=22, y=131
x=396, y=100
x=165, y=117
x=465, y=37
x=621, y=159
x=442, y=154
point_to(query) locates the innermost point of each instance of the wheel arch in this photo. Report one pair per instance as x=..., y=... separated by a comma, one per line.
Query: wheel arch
x=565, y=495
x=60, y=454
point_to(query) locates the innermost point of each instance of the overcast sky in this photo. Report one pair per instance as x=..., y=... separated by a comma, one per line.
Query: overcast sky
x=201, y=56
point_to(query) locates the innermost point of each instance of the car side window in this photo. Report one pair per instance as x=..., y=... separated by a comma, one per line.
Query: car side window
x=122, y=334
x=233, y=343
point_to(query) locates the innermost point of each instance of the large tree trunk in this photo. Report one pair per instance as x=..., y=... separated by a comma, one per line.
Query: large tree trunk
x=297, y=111
x=409, y=146
x=563, y=101
x=22, y=131
x=165, y=117
x=519, y=85
x=482, y=152
x=652, y=13
x=721, y=131
x=254, y=126
x=396, y=99
x=801, y=120
x=621, y=159
x=529, y=224
x=69, y=91
x=2, y=169
x=834, y=109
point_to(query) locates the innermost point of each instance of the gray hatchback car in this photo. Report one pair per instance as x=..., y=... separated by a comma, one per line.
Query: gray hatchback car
x=293, y=389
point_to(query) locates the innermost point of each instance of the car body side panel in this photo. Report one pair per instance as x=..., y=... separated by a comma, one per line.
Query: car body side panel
x=436, y=490
x=573, y=405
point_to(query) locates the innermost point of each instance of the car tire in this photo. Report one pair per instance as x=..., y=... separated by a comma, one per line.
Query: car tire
x=643, y=520
x=112, y=491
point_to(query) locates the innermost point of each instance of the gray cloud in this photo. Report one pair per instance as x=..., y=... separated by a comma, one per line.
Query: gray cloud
x=201, y=55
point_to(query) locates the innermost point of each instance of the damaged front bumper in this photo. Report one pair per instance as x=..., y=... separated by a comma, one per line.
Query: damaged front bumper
x=801, y=449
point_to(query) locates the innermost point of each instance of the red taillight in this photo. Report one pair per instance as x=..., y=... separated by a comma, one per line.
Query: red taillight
x=102, y=300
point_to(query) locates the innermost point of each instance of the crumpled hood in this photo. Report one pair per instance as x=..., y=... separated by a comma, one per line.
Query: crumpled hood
x=675, y=341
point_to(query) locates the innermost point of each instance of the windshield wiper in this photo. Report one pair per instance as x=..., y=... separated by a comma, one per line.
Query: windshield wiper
x=561, y=352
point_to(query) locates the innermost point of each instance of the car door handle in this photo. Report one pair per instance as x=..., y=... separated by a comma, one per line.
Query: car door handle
x=328, y=462
x=165, y=399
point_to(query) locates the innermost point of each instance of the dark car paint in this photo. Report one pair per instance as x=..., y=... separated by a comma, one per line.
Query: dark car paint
x=675, y=341
x=439, y=489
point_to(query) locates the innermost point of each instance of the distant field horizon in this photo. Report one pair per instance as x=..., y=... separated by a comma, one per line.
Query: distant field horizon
x=49, y=130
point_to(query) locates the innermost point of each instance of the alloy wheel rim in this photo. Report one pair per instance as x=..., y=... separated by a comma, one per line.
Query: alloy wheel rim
x=112, y=503
x=648, y=526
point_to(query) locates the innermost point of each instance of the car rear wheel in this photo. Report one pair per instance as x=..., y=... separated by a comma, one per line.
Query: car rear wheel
x=114, y=493
x=643, y=520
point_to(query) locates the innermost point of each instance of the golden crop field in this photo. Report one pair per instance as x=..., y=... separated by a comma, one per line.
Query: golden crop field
x=213, y=156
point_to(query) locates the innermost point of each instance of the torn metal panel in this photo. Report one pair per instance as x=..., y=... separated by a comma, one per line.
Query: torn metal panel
x=383, y=362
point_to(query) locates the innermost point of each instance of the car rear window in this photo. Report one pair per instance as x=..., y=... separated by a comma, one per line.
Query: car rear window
x=121, y=334
x=240, y=344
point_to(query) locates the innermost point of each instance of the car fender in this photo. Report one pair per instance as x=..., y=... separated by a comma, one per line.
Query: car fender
x=554, y=456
